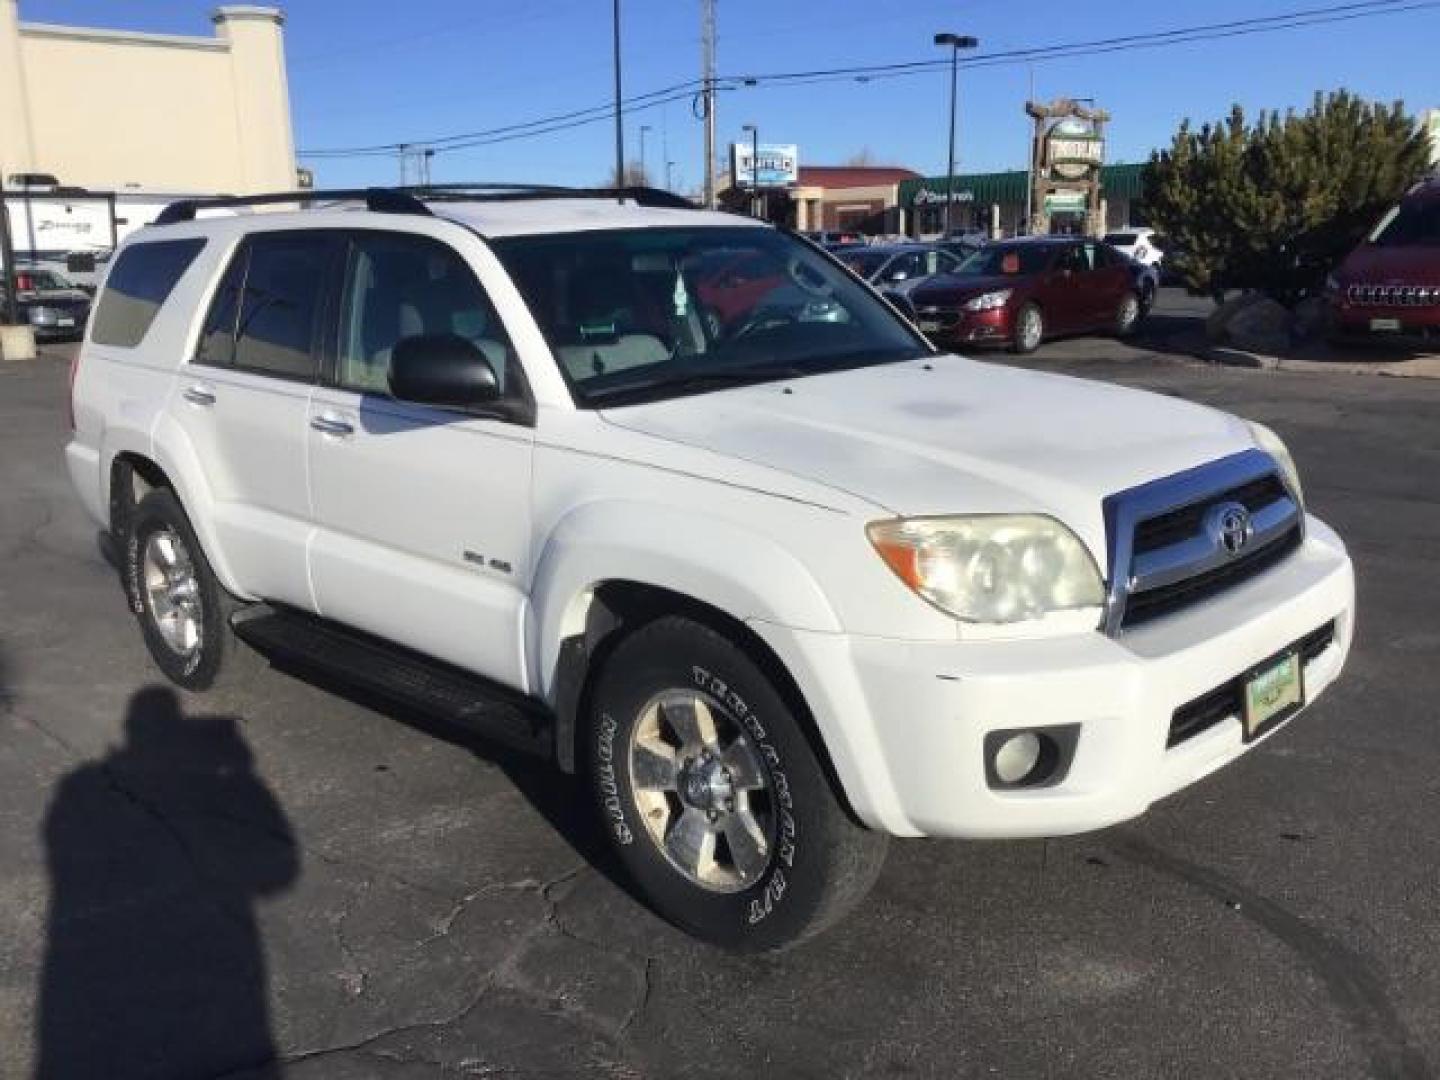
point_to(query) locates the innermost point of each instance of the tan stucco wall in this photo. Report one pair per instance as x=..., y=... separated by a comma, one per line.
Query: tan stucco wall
x=103, y=109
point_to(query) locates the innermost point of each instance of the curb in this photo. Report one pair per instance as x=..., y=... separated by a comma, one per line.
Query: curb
x=1419, y=367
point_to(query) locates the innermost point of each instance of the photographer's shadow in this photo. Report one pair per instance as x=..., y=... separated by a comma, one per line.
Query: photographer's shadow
x=157, y=853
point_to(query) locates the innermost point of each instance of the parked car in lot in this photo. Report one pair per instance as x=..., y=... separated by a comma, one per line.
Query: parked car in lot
x=1390, y=285
x=898, y=267
x=1141, y=244
x=1018, y=292
x=49, y=303
x=776, y=585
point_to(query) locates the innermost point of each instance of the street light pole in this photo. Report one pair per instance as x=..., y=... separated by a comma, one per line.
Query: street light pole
x=956, y=43
x=754, y=130
x=644, y=168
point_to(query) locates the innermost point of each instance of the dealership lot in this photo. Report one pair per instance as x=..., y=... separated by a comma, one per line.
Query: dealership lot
x=195, y=883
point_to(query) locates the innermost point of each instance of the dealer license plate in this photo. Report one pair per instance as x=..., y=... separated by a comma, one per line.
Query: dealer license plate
x=1385, y=324
x=1272, y=693
x=929, y=326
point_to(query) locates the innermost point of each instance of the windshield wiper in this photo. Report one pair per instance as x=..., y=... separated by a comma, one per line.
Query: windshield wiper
x=696, y=382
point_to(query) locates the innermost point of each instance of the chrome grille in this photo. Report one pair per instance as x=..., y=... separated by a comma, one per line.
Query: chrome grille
x=1394, y=295
x=1176, y=541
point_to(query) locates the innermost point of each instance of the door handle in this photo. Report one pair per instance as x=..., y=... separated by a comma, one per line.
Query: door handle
x=198, y=395
x=329, y=425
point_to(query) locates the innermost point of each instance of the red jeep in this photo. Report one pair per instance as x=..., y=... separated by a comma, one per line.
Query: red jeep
x=1390, y=284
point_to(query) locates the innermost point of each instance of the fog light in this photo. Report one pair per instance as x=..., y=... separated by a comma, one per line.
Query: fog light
x=1017, y=756
x=1030, y=757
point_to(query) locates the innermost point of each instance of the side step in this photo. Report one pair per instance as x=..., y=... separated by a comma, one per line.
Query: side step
x=399, y=675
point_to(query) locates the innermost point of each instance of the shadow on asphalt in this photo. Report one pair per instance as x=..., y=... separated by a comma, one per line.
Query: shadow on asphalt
x=559, y=798
x=157, y=854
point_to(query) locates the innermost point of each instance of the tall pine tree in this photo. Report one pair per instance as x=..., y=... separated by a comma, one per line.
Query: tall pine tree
x=1275, y=205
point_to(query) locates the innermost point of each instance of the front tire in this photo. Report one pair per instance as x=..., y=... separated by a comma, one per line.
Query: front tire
x=182, y=609
x=1029, y=330
x=713, y=798
x=1127, y=314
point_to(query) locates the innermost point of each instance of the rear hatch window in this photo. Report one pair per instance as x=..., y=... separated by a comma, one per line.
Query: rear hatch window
x=143, y=277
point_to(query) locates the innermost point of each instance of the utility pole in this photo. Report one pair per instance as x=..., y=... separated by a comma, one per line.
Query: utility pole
x=644, y=165
x=707, y=53
x=619, y=124
x=7, y=254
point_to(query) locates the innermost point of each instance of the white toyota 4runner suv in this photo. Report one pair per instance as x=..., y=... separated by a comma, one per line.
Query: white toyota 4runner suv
x=674, y=498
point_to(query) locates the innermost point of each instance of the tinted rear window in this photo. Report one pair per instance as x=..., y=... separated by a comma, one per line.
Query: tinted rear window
x=144, y=275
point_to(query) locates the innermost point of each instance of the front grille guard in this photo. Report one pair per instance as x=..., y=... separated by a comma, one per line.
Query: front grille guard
x=1126, y=509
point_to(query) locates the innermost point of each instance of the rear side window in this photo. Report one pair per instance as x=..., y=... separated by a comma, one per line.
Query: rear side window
x=144, y=275
x=263, y=316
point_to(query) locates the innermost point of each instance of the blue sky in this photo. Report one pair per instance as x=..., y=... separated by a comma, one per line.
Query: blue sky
x=375, y=71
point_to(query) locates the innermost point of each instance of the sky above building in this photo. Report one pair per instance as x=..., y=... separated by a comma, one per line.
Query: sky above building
x=365, y=73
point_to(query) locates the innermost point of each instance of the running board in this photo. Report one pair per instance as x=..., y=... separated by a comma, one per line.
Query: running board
x=399, y=675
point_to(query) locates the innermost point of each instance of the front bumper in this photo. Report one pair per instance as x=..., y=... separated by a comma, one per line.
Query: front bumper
x=1420, y=323
x=960, y=327
x=906, y=722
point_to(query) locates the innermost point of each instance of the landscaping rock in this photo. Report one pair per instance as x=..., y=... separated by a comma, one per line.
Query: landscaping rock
x=1219, y=319
x=1262, y=327
x=1310, y=319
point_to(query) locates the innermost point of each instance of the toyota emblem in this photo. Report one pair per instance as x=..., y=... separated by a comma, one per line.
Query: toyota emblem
x=1230, y=526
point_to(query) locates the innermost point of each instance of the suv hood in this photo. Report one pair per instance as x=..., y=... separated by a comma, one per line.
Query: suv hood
x=1373, y=264
x=949, y=435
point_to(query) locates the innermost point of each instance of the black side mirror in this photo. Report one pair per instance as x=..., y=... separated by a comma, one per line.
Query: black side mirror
x=442, y=369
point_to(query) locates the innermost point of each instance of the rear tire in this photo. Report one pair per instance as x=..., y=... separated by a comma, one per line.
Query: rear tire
x=1029, y=330
x=713, y=798
x=183, y=610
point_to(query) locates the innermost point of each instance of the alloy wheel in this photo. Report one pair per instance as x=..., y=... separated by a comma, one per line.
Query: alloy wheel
x=172, y=592
x=702, y=790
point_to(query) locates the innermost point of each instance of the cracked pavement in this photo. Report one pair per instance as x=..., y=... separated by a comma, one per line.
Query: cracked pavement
x=285, y=881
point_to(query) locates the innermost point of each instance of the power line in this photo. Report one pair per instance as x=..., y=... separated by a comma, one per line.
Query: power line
x=1297, y=19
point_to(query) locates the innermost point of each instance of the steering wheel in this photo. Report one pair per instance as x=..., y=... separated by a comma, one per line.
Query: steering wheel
x=806, y=278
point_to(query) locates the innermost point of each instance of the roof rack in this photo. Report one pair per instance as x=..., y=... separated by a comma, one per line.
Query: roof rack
x=411, y=200
x=490, y=192
x=380, y=200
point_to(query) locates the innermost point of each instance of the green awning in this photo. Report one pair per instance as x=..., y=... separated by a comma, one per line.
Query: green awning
x=1117, y=182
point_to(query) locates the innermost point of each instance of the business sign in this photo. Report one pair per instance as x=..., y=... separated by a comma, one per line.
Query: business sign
x=779, y=165
x=1073, y=150
x=930, y=197
x=1065, y=202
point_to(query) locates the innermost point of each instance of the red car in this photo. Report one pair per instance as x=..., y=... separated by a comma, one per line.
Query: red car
x=1390, y=284
x=1019, y=292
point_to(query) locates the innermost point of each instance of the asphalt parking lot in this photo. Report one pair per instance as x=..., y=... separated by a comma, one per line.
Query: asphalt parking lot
x=194, y=885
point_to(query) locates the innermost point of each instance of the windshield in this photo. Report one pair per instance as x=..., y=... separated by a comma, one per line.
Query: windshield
x=1411, y=223
x=1006, y=260
x=642, y=314
x=1121, y=239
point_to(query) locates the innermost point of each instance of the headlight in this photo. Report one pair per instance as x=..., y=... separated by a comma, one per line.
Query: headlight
x=1268, y=441
x=1001, y=568
x=987, y=301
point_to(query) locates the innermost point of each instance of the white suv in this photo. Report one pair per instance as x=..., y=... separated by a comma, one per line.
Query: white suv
x=673, y=497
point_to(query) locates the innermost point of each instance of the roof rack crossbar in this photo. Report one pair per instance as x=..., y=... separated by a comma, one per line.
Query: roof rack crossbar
x=380, y=200
x=409, y=200
x=487, y=192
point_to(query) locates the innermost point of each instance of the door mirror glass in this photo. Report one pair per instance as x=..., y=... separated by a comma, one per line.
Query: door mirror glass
x=442, y=369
